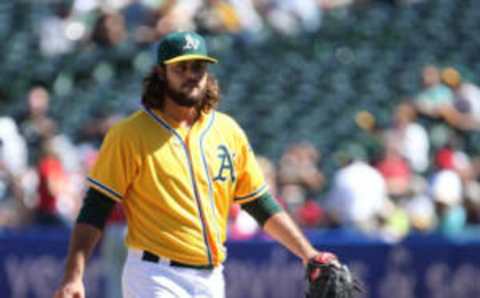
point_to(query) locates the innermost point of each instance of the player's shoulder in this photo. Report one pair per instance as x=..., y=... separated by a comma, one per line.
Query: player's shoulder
x=128, y=125
x=227, y=121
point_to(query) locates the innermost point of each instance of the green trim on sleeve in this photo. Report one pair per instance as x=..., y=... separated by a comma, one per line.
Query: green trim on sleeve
x=262, y=208
x=96, y=209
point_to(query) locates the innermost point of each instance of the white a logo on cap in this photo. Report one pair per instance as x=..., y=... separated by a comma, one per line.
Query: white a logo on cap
x=191, y=43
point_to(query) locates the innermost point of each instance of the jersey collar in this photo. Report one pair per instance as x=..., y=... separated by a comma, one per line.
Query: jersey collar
x=171, y=123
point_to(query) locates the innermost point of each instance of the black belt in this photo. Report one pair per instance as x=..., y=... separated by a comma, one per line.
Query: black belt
x=150, y=257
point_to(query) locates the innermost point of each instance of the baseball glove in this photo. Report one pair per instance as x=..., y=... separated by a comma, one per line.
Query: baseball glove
x=330, y=280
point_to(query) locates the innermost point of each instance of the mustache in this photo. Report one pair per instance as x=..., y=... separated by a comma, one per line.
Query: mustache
x=191, y=83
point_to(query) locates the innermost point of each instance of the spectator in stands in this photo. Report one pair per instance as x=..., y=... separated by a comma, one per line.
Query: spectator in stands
x=171, y=15
x=434, y=95
x=60, y=176
x=13, y=166
x=464, y=166
x=109, y=30
x=137, y=13
x=302, y=206
x=35, y=122
x=300, y=181
x=293, y=196
x=406, y=148
x=419, y=206
x=13, y=153
x=52, y=181
x=179, y=16
x=251, y=23
x=238, y=18
x=299, y=165
x=311, y=214
x=218, y=16
x=465, y=112
x=471, y=186
x=410, y=138
x=58, y=33
x=446, y=191
x=370, y=136
x=395, y=170
x=358, y=193
x=393, y=222
x=290, y=17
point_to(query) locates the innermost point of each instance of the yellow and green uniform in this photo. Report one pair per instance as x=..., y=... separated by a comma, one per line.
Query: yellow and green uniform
x=177, y=184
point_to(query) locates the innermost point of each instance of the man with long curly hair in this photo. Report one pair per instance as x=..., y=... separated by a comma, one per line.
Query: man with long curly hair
x=176, y=165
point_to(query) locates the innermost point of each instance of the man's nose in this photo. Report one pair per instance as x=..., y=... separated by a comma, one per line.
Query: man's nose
x=193, y=73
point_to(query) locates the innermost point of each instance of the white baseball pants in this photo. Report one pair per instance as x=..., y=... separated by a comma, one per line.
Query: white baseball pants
x=143, y=279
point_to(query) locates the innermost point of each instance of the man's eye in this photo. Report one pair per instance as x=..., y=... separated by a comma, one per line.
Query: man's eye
x=181, y=68
x=199, y=67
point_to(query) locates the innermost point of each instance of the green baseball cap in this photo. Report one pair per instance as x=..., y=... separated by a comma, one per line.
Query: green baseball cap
x=182, y=46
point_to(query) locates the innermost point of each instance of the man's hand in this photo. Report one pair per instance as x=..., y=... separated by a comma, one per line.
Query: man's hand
x=71, y=289
x=83, y=240
x=326, y=277
x=323, y=257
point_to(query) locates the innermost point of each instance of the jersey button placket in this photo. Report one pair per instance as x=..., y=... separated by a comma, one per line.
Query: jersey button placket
x=198, y=198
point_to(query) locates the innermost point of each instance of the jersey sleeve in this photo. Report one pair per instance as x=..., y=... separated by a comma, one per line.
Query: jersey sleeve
x=251, y=182
x=116, y=165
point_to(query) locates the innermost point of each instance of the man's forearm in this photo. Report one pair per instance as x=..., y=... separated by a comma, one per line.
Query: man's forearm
x=282, y=228
x=83, y=240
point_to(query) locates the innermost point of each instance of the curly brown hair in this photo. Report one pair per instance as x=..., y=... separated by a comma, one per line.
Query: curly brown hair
x=154, y=90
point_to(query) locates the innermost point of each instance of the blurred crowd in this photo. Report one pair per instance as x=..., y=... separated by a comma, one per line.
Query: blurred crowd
x=420, y=173
x=42, y=170
x=109, y=23
x=113, y=22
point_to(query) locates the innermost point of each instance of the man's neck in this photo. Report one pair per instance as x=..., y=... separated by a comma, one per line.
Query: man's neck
x=185, y=116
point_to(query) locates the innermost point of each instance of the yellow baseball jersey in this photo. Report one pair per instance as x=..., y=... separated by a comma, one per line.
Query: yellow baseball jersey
x=177, y=184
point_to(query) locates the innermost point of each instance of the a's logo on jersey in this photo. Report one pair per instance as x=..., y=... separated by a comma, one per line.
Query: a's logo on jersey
x=226, y=165
x=191, y=43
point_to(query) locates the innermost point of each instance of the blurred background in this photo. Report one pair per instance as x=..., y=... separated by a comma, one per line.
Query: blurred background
x=364, y=114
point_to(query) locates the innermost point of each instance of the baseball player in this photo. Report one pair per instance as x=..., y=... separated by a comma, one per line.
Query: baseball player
x=176, y=165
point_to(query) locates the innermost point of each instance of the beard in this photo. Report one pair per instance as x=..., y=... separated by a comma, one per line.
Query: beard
x=184, y=99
